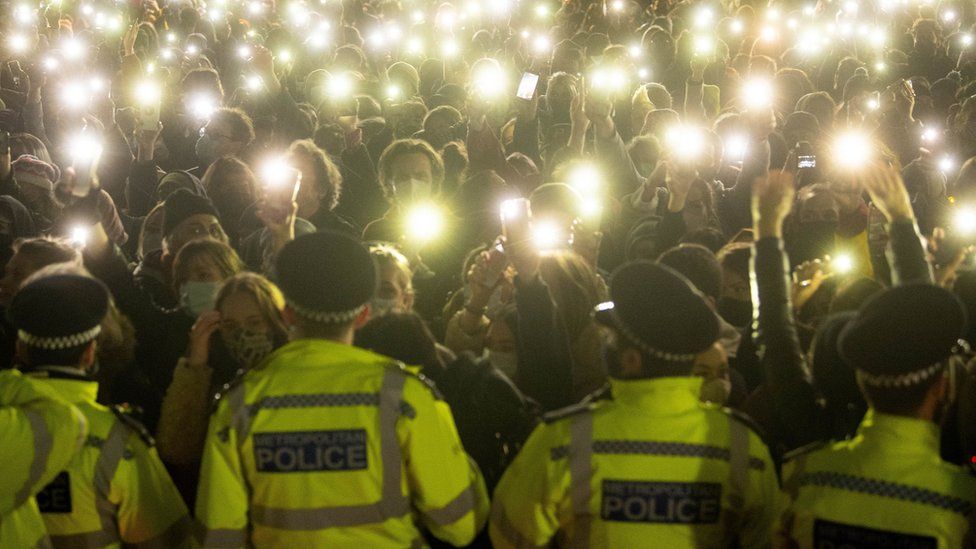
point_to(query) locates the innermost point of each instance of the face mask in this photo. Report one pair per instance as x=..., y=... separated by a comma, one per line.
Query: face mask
x=715, y=390
x=380, y=307
x=198, y=297
x=506, y=362
x=735, y=311
x=206, y=150
x=248, y=348
x=415, y=190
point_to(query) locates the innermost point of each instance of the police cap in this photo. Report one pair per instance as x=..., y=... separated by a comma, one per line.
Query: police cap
x=660, y=311
x=326, y=277
x=59, y=311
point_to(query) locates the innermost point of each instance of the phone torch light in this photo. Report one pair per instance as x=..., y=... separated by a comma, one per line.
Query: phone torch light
x=285, y=56
x=685, y=142
x=546, y=235
x=84, y=148
x=591, y=210
x=635, y=51
x=275, y=172
x=949, y=16
x=253, y=83
x=842, y=263
x=930, y=135
x=873, y=104
x=966, y=40
x=880, y=66
x=171, y=37
x=450, y=49
x=541, y=10
x=736, y=147
x=489, y=81
x=703, y=45
x=244, y=52
x=202, y=106
x=148, y=93
x=964, y=221
x=852, y=150
x=79, y=236
x=946, y=164
x=511, y=208
x=18, y=43
x=75, y=96
x=736, y=26
x=617, y=5
x=393, y=92
x=541, y=44
x=768, y=34
x=417, y=16
x=415, y=46
x=586, y=179
x=425, y=222
x=757, y=93
x=340, y=85
x=51, y=63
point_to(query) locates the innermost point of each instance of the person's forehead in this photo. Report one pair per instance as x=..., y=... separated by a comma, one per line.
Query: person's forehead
x=199, y=220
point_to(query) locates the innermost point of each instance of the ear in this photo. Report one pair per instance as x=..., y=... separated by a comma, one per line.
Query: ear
x=88, y=357
x=288, y=316
x=21, y=351
x=362, y=318
x=631, y=363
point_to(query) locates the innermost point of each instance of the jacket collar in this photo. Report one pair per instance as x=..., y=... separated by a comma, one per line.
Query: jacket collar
x=75, y=390
x=665, y=394
x=899, y=431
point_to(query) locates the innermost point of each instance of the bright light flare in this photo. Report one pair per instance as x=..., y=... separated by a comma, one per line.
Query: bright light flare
x=757, y=93
x=842, y=263
x=685, y=142
x=964, y=221
x=425, y=222
x=586, y=179
x=852, y=149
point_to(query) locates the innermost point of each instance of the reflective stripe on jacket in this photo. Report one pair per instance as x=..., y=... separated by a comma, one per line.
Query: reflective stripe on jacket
x=652, y=464
x=325, y=445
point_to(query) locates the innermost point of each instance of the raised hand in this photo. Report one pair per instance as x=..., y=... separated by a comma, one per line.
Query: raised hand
x=887, y=191
x=772, y=199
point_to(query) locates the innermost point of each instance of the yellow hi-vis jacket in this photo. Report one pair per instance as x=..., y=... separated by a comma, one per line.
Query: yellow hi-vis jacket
x=39, y=433
x=886, y=487
x=327, y=445
x=115, y=491
x=653, y=467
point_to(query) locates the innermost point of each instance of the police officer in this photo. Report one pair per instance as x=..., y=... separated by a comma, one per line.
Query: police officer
x=651, y=463
x=326, y=445
x=888, y=487
x=115, y=491
x=39, y=434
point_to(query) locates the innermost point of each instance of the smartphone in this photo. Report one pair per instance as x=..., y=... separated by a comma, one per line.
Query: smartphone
x=806, y=161
x=149, y=115
x=515, y=219
x=526, y=88
x=282, y=191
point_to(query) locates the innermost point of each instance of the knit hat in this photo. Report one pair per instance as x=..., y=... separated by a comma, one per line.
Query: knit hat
x=182, y=205
x=901, y=336
x=327, y=277
x=31, y=170
x=658, y=310
x=59, y=311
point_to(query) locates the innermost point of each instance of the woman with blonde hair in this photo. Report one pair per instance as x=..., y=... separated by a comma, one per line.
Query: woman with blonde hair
x=243, y=329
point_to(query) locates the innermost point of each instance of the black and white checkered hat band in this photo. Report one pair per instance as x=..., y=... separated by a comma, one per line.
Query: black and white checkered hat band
x=656, y=353
x=60, y=342
x=901, y=380
x=326, y=317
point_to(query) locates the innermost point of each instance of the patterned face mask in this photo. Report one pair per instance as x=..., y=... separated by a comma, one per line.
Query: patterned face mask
x=248, y=348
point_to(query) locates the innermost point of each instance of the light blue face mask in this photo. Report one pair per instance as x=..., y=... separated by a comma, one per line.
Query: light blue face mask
x=198, y=297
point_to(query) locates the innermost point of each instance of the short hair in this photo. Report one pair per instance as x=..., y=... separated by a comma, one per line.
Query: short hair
x=898, y=401
x=327, y=174
x=44, y=251
x=735, y=257
x=698, y=264
x=402, y=336
x=402, y=147
x=240, y=124
x=203, y=78
x=222, y=255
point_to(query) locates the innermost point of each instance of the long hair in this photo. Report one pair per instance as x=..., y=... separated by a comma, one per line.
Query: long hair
x=269, y=298
x=222, y=255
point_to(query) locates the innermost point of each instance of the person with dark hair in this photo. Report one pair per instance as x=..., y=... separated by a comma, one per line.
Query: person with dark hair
x=227, y=133
x=371, y=425
x=492, y=415
x=901, y=344
x=616, y=451
x=115, y=489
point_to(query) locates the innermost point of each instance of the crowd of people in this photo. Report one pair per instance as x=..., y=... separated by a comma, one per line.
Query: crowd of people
x=504, y=273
